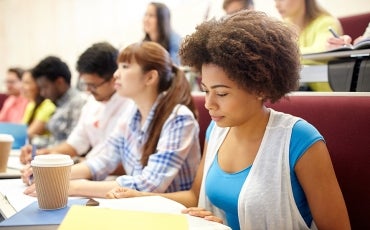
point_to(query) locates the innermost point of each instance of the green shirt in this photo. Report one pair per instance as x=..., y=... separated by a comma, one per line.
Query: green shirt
x=313, y=39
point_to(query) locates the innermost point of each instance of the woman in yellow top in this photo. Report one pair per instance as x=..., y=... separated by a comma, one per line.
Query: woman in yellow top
x=312, y=23
x=38, y=110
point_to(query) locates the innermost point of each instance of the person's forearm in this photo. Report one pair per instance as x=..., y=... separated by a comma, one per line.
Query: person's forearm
x=80, y=171
x=64, y=148
x=186, y=198
x=88, y=188
x=36, y=128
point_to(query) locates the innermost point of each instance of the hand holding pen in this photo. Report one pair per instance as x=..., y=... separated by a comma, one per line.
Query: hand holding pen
x=332, y=31
x=337, y=41
x=26, y=171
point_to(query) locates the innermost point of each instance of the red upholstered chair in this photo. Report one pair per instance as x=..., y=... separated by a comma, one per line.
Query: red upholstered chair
x=3, y=96
x=355, y=25
x=344, y=121
x=204, y=118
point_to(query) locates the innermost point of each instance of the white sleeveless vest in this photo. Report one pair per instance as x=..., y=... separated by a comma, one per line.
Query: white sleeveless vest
x=266, y=199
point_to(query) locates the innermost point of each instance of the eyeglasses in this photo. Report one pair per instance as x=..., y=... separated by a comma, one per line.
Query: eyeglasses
x=92, y=87
x=10, y=82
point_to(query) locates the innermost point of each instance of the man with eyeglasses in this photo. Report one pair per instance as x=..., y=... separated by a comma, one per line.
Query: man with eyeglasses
x=103, y=107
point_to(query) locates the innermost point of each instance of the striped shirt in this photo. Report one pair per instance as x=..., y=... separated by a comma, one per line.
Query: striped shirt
x=171, y=168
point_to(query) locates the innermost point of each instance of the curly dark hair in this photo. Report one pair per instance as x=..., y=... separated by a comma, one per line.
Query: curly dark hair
x=256, y=51
x=98, y=59
x=52, y=67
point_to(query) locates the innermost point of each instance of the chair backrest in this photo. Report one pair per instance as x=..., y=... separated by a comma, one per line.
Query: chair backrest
x=355, y=25
x=344, y=121
x=3, y=97
x=18, y=131
x=204, y=118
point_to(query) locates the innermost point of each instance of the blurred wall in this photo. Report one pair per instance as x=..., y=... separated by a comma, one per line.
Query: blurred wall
x=31, y=30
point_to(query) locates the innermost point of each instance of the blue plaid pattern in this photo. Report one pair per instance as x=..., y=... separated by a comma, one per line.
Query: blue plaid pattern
x=171, y=168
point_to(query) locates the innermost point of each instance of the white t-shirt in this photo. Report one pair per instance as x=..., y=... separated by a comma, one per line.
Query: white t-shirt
x=96, y=122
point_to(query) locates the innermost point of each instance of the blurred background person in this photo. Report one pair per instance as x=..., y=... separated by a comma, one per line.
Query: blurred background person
x=15, y=104
x=39, y=110
x=157, y=28
x=103, y=108
x=334, y=42
x=311, y=22
x=54, y=80
x=232, y=6
x=158, y=142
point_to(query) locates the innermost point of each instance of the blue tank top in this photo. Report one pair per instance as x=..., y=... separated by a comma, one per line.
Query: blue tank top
x=223, y=189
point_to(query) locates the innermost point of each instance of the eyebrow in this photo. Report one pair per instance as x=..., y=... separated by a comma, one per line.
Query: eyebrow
x=216, y=86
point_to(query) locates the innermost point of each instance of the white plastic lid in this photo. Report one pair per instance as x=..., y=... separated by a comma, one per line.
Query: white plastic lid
x=6, y=137
x=52, y=160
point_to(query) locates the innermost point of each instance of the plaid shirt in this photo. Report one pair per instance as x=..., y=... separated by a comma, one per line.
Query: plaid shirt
x=171, y=168
x=66, y=115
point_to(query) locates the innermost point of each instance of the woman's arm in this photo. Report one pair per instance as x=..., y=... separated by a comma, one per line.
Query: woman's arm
x=87, y=188
x=314, y=37
x=36, y=128
x=316, y=174
x=188, y=198
x=80, y=171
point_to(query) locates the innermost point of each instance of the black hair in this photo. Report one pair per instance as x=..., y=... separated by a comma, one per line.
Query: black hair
x=17, y=70
x=52, y=68
x=98, y=59
x=163, y=25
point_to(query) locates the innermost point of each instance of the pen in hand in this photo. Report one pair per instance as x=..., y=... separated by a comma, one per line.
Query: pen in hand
x=33, y=154
x=333, y=33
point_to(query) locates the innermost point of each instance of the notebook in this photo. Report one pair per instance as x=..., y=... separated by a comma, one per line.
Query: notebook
x=10, y=174
x=32, y=215
x=83, y=217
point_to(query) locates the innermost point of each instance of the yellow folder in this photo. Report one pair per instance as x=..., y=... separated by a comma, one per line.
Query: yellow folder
x=85, y=217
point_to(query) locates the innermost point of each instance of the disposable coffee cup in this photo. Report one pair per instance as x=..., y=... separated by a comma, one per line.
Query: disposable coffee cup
x=6, y=142
x=51, y=173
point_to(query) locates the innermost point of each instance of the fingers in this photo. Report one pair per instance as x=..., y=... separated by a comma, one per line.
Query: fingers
x=112, y=194
x=26, y=154
x=214, y=219
x=121, y=192
x=342, y=40
x=202, y=213
x=43, y=151
x=196, y=211
x=347, y=39
x=30, y=190
x=26, y=174
x=333, y=42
